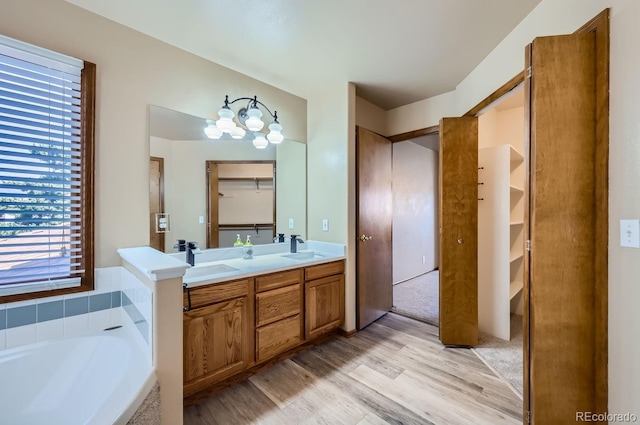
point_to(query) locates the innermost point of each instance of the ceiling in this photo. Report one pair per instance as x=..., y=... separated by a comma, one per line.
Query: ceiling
x=395, y=51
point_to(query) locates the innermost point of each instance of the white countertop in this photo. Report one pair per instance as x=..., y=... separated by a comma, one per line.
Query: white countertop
x=221, y=265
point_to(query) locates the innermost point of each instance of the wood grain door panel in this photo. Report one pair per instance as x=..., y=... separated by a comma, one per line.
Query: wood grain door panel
x=561, y=225
x=324, y=305
x=459, y=231
x=374, y=290
x=156, y=201
x=215, y=343
x=213, y=200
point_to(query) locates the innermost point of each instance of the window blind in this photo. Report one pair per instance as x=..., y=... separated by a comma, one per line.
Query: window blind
x=40, y=169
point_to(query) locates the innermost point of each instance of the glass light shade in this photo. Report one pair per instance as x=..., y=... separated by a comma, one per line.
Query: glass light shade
x=254, y=123
x=225, y=123
x=238, y=133
x=260, y=142
x=212, y=132
x=275, y=136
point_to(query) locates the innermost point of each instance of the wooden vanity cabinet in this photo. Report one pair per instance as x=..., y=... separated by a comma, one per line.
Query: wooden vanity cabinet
x=279, y=325
x=234, y=328
x=217, y=333
x=324, y=298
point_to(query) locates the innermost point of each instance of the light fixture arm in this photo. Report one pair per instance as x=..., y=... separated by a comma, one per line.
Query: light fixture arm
x=253, y=101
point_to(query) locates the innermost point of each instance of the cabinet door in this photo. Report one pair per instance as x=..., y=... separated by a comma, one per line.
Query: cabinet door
x=215, y=343
x=324, y=305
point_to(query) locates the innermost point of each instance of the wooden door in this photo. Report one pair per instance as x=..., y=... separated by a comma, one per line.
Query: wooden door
x=459, y=231
x=560, y=269
x=156, y=201
x=213, y=199
x=374, y=291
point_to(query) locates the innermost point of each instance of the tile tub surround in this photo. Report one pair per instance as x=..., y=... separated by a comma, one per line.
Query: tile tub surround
x=28, y=322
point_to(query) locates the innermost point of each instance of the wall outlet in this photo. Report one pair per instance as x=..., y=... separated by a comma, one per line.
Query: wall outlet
x=630, y=233
x=290, y=223
x=424, y=259
x=201, y=219
x=325, y=225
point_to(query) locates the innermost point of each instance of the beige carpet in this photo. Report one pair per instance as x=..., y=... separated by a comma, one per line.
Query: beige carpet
x=505, y=356
x=418, y=298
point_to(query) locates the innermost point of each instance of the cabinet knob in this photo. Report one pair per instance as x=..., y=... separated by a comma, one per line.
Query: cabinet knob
x=460, y=241
x=365, y=238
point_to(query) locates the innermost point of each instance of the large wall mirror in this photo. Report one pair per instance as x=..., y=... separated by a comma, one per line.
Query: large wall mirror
x=208, y=191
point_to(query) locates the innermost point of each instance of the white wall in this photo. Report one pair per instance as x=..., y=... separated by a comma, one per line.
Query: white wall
x=331, y=176
x=415, y=225
x=133, y=71
x=371, y=116
x=506, y=60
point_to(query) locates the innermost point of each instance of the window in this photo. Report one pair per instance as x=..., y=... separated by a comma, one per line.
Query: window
x=47, y=103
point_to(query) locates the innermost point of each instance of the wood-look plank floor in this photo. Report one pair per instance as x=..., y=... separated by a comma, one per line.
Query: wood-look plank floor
x=393, y=372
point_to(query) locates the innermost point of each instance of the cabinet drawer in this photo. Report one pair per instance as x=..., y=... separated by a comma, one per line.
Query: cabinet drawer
x=277, y=304
x=277, y=338
x=322, y=270
x=278, y=280
x=209, y=294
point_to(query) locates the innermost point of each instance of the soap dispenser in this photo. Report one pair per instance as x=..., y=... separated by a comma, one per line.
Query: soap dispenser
x=248, y=249
x=238, y=243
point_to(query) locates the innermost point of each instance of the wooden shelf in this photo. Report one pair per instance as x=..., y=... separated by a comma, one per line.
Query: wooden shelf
x=240, y=179
x=514, y=288
x=515, y=257
x=516, y=157
x=516, y=223
x=516, y=190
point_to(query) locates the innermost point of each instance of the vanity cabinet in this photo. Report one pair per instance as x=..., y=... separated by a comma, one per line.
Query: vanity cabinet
x=278, y=313
x=234, y=328
x=324, y=298
x=217, y=334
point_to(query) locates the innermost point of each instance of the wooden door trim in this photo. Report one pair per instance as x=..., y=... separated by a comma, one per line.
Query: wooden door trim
x=427, y=131
x=160, y=162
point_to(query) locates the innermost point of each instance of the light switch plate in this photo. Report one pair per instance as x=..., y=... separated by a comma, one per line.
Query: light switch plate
x=201, y=219
x=290, y=223
x=630, y=233
x=325, y=225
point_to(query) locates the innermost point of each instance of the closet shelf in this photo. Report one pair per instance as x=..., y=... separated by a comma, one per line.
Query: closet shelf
x=514, y=288
x=515, y=257
x=516, y=223
x=516, y=190
x=515, y=155
x=240, y=179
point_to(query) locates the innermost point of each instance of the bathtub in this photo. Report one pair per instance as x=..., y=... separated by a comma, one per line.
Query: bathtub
x=95, y=378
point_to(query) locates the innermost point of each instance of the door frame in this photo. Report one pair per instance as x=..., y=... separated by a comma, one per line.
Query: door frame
x=600, y=26
x=160, y=161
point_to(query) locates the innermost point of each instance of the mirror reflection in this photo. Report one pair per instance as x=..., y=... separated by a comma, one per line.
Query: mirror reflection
x=209, y=191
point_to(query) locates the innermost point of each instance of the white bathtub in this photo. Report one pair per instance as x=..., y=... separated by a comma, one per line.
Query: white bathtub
x=95, y=378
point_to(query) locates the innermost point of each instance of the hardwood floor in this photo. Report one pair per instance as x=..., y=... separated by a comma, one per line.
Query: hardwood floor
x=395, y=371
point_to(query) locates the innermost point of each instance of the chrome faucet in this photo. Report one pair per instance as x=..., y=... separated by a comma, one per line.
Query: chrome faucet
x=192, y=250
x=294, y=243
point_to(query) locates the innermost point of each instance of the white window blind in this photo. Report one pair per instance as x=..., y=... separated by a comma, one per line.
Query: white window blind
x=40, y=166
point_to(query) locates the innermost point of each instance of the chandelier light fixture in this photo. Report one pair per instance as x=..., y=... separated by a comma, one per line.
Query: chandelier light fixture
x=249, y=119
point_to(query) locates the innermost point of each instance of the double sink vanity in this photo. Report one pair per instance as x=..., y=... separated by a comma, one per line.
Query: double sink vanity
x=243, y=314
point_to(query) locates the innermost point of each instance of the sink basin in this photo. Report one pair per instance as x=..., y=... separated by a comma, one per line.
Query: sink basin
x=198, y=271
x=303, y=255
